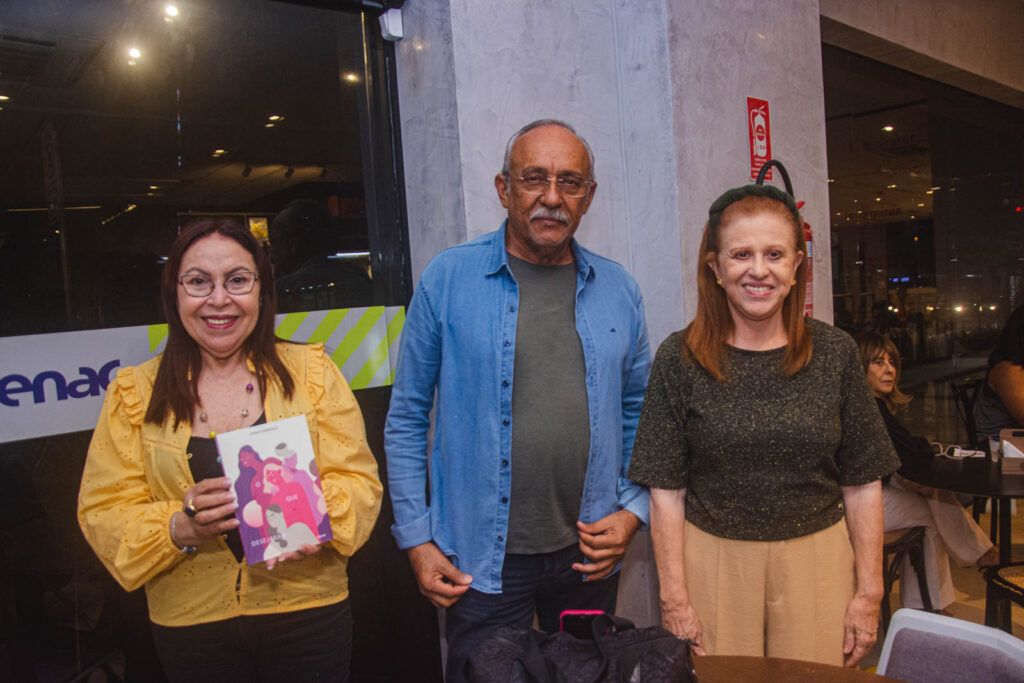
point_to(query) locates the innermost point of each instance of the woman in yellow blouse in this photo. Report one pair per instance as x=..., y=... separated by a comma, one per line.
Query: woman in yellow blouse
x=159, y=513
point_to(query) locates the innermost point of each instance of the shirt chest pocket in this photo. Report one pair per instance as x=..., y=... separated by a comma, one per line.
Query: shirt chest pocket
x=166, y=468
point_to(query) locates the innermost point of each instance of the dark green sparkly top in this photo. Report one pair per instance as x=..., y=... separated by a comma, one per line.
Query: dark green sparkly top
x=762, y=456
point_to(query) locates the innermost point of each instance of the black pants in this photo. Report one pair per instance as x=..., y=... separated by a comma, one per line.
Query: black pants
x=307, y=645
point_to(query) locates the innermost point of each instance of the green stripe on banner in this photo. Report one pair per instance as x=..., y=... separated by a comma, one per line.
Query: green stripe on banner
x=156, y=335
x=394, y=329
x=327, y=326
x=396, y=325
x=357, y=335
x=290, y=323
x=371, y=366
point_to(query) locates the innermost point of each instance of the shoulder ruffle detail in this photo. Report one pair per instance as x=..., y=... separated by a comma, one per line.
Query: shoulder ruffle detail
x=125, y=390
x=315, y=359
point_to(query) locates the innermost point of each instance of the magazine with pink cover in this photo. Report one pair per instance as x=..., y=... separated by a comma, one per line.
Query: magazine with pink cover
x=281, y=505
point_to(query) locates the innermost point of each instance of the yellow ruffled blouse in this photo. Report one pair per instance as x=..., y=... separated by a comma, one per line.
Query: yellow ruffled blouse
x=135, y=479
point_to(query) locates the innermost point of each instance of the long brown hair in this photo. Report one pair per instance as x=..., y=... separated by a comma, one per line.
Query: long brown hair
x=704, y=340
x=872, y=345
x=176, y=389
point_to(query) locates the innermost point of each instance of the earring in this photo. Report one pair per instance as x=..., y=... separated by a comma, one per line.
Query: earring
x=719, y=282
x=793, y=282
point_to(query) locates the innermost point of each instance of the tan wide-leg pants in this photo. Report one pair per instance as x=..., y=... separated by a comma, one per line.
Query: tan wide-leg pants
x=777, y=599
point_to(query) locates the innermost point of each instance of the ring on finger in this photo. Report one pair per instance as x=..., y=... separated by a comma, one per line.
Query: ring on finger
x=190, y=508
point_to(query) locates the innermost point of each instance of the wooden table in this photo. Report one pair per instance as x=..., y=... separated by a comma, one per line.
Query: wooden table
x=979, y=477
x=733, y=669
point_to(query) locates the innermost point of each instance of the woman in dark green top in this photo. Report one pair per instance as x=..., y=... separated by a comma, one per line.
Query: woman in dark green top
x=757, y=430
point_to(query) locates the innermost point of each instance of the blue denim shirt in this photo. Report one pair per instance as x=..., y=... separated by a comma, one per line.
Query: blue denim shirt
x=459, y=341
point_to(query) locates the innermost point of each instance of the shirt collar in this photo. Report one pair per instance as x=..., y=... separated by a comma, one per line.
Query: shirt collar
x=499, y=255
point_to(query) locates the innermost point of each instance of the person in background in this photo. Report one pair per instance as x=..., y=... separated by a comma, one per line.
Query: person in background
x=536, y=350
x=948, y=527
x=764, y=455
x=1000, y=403
x=157, y=510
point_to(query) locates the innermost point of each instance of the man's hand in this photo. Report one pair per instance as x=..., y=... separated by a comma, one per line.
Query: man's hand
x=604, y=543
x=438, y=578
x=860, y=629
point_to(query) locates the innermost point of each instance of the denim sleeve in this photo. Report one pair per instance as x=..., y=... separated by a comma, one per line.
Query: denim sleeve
x=408, y=422
x=632, y=496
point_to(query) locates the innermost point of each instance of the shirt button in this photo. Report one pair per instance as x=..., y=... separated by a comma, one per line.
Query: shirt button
x=505, y=422
x=512, y=309
x=501, y=538
x=504, y=463
x=504, y=499
x=508, y=343
x=505, y=383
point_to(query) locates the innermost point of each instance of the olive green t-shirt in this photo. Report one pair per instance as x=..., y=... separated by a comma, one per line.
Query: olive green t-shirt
x=762, y=456
x=550, y=417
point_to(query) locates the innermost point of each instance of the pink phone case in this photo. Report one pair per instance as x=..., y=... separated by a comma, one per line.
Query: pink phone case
x=576, y=613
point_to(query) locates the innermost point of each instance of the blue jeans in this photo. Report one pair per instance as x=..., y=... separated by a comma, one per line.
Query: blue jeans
x=544, y=584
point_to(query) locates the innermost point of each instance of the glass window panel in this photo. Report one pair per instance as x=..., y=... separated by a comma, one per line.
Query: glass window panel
x=122, y=122
x=926, y=183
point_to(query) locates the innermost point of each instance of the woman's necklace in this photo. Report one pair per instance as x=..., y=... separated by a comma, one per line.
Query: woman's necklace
x=243, y=413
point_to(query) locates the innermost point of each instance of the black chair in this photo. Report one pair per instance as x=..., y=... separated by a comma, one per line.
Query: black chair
x=896, y=545
x=1004, y=584
x=965, y=395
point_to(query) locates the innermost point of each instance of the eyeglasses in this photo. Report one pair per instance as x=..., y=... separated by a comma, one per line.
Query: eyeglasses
x=199, y=285
x=568, y=185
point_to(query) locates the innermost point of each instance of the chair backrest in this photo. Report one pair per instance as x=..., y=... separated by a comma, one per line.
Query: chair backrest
x=965, y=393
x=925, y=647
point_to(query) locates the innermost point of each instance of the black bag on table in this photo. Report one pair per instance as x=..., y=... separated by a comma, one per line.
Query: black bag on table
x=619, y=653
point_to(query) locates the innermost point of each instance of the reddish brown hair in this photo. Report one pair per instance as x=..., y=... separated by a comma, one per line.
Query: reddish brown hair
x=176, y=389
x=704, y=340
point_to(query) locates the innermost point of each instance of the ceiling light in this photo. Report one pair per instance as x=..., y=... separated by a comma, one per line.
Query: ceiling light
x=4, y=98
x=892, y=187
x=134, y=52
x=171, y=11
x=351, y=77
x=275, y=117
x=921, y=205
x=878, y=199
x=888, y=129
x=269, y=125
x=219, y=152
x=154, y=187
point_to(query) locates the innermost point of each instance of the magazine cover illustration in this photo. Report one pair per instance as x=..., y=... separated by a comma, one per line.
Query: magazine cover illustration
x=281, y=505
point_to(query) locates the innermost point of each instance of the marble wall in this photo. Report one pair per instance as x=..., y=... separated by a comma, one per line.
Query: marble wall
x=720, y=54
x=471, y=73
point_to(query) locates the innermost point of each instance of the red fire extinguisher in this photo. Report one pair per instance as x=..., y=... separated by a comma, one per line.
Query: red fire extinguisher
x=808, y=233
x=809, y=294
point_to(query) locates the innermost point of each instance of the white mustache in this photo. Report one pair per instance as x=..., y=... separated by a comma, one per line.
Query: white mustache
x=550, y=214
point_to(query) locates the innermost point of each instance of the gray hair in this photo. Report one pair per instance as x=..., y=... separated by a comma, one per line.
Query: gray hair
x=538, y=124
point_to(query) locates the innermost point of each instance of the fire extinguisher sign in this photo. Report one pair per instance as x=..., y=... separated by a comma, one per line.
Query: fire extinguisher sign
x=760, y=136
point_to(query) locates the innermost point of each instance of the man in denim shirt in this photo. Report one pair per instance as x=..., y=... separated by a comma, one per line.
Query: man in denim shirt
x=536, y=352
